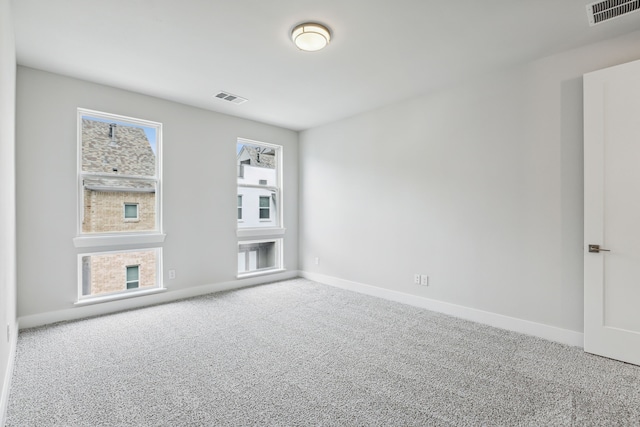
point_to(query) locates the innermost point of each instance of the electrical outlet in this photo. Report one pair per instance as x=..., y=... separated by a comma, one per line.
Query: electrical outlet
x=416, y=279
x=172, y=274
x=8, y=333
x=424, y=280
x=317, y=260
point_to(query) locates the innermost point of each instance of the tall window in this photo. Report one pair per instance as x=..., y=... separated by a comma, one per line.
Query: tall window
x=119, y=172
x=260, y=232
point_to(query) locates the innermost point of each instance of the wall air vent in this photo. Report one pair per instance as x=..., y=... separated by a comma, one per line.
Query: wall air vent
x=608, y=9
x=226, y=96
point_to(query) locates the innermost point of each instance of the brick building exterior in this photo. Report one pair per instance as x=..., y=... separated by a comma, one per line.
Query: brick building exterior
x=119, y=192
x=107, y=273
x=120, y=152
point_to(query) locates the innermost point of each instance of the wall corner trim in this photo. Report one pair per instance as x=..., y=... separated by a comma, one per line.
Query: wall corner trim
x=8, y=376
x=552, y=333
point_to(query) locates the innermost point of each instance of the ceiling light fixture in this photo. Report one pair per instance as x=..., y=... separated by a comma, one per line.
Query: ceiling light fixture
x=310, y=36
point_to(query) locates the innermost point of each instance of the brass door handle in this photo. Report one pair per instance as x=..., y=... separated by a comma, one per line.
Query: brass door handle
x=596, y=249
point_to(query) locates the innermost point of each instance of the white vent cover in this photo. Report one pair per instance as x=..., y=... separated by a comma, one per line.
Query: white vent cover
x=234, y=98
x=608, y=9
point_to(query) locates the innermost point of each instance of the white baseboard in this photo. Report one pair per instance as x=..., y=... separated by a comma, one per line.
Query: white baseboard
x=8, y=375
x=81, y=312
x=551, y=333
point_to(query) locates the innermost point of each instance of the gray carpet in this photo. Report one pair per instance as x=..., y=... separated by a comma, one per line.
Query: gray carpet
x=301, y=353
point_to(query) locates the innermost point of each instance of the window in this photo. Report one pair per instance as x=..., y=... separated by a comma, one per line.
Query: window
x=259, y=184
x=118, y=273
x=258, y=256
x=119, y=183
x=130, y=211
x=133, y=276
x=118, y=164
x=265, y=207
x=260, y=233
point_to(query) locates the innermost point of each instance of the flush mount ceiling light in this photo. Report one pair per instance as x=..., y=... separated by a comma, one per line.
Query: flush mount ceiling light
x=310, y=36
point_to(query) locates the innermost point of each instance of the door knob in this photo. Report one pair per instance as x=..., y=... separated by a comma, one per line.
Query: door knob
x=597, y=249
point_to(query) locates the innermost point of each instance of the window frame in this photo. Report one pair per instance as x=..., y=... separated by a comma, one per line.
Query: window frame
x=250, y=235
x=240, y=211
x=88, y=240
x=279, y=257
x=126, y=293
x=137, y=281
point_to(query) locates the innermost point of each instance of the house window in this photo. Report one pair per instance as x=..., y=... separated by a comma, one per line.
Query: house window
x=260, y=233
x=130, y=211
x=265, y=207
x=119, y=183
x=133, y=276
x=118, y=273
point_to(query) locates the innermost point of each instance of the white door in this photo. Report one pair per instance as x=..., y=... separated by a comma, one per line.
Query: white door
x=612, y=212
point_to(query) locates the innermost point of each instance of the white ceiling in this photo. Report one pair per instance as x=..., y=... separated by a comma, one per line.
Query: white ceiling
x=382, y=51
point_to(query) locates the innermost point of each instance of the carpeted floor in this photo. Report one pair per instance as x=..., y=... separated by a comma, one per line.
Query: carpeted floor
x=300, y=353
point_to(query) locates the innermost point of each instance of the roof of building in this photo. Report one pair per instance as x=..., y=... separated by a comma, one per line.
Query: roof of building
x=260, y=157
x=116, y=150
x=128, y=152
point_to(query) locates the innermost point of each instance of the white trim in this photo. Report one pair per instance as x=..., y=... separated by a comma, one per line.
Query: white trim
x=256, y=273
x=8, y=375
x=118, y=296
x=540, y=330
x=80, y=312
x=117, y=240
x=261, y=233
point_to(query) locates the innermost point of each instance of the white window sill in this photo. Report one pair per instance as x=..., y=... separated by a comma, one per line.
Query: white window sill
x=115, y=297
x=260, y=273
x=249, y=233
x=117, y=240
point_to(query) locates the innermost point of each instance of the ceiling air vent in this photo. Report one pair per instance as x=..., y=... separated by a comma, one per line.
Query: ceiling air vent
x=608, y=9
x=234, y=98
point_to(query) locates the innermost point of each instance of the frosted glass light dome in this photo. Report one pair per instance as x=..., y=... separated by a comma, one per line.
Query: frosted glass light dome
x=310, y=37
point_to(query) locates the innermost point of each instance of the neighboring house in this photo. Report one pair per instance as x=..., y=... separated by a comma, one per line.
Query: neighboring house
x=113, y=205
x=256, y=183
x=115, y=201
x=103, y=274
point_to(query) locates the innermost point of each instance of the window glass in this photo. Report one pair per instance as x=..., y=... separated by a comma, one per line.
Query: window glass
x=264, y=207
x=116, y=272
x=258, y=184
x=256, y=256
x=133, y=274
x=131, y=211
x=118, y=164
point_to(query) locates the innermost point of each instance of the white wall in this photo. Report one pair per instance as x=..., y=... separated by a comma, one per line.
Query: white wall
x=479, y=186
x=7, y=200
x=199, y=191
